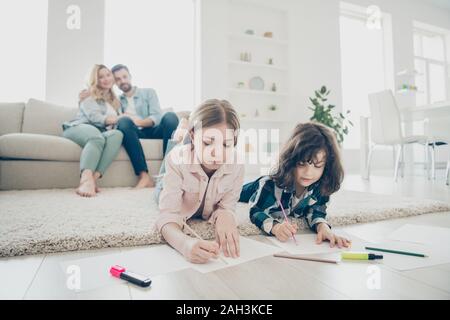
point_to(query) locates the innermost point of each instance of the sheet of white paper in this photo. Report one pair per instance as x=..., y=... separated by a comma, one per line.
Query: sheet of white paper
x=367, y=232
x=154, y=260
x=306, y=245
x=431, y=241
x=421, y=234
x=148, y=261
x=249, y=250
x=435, y=255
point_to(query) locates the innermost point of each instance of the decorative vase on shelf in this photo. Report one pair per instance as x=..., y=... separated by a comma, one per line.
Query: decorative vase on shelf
x=274, y=87
x=256, y=83
x=245, y=56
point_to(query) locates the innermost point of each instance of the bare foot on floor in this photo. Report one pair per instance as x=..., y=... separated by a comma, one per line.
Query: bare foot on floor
x=145, y=181
x=87, y=188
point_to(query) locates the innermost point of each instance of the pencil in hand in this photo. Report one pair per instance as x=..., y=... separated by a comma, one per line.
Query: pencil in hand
x=200, y=238
x=287, y=221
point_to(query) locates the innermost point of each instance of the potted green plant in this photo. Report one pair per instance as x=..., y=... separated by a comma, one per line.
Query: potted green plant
x=323, y=114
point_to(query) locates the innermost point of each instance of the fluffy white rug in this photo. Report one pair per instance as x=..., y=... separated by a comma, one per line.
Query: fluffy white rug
x=44, y=221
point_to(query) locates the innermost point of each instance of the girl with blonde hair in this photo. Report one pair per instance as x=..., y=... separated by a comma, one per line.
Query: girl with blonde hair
x=203, y=180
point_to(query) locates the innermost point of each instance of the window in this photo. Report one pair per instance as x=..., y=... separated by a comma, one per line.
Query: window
x=23, y=53
x=155, y=39
x=365, y=64
x=431, y=64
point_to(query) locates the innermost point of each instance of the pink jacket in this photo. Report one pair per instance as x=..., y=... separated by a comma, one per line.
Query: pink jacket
x=185, y=184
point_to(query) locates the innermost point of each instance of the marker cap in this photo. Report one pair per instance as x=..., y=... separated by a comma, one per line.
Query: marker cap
x=116, y=271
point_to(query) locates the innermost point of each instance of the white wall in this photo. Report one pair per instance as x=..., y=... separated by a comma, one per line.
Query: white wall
x=214, y=47
x=315, y=50
x=23, y=53
x=72, y=53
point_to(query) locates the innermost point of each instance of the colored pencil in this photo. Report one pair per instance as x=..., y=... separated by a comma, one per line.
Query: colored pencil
x=200, y=238
x=299, y=257
x=286, y=218
x=397, y=252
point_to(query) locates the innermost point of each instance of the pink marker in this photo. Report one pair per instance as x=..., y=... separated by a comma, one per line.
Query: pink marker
x=120, y=272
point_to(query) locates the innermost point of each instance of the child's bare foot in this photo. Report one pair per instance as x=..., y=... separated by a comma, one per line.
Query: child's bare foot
x=86, y=188
x=145, y=181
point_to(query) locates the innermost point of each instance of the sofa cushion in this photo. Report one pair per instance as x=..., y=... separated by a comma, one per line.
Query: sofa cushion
x=11, y=116
x=47, y=147
x=45, y=118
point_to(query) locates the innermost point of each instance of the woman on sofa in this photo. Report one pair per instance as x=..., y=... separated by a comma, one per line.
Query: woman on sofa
x=93, y=129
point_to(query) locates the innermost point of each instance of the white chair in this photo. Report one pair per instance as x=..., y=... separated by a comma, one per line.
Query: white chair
x=437, y=131
x=386, y=129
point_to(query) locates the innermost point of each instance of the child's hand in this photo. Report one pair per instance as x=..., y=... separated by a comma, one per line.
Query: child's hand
x=201, y=251
x=227, y=235
x=324, y=233
x=284, y=231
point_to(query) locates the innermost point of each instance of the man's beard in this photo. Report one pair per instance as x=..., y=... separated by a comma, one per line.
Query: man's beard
x=125, y=87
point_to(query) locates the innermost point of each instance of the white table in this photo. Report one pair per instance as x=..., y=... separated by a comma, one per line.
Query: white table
x=439, y=109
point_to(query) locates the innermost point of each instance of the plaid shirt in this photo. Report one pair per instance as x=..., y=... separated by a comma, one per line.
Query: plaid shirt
x=265, y=210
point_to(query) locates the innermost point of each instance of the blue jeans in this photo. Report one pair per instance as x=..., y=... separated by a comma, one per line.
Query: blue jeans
x=132, y=134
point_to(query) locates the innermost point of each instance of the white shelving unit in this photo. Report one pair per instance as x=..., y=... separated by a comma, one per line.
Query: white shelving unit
x=257, y=38
x=408, y=77
x=408, y=91
x=251, y=103
x=270, y=61
x=257, y=65
x=258, y=92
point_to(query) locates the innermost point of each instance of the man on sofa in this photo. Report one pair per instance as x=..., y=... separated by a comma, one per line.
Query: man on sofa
x=141, y=119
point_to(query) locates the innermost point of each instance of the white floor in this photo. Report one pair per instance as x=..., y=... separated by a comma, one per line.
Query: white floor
x=41, y=277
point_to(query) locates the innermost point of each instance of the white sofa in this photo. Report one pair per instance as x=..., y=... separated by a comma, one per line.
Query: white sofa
x=34, y=155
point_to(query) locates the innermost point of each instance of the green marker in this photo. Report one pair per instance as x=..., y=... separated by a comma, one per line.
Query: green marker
x=360, y=256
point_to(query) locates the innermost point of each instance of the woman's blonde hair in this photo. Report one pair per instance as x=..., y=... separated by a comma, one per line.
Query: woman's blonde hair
x=213, y=112
x=98, y=94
